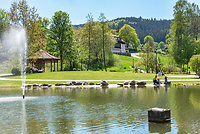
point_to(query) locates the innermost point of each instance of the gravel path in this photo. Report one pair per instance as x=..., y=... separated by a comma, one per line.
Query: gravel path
x=135, y=55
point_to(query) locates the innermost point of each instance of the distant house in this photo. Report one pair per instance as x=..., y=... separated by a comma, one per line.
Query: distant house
x=119, y=46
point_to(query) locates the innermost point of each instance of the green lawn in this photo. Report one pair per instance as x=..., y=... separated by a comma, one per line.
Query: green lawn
x=123, y=64
x=123, y=68
x=90, y=75
x=87, y=75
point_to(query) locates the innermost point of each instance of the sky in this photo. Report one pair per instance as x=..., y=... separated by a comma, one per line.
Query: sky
x=112, y=9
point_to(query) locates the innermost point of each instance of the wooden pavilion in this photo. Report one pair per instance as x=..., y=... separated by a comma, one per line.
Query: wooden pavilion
x=40, y=59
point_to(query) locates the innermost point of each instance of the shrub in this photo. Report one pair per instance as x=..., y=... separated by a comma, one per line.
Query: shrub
x=16, y=71
x=195, y=63
x=136, y=70
x=28, y=69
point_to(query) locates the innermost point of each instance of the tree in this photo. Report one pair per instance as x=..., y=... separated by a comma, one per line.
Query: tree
x=182, y=36
x=102, y=19
x=4, y=24
x=96, y=46
x=147, y=56
x=197, y=47
x=149, y=39
x=45, y=23
x=82, y=52
x=194, y=20
x=129, y=35
x=161, y=45
x=195, y=64
x=22, y=15
x=61, y=35
x=89, y=30
x=4, y=21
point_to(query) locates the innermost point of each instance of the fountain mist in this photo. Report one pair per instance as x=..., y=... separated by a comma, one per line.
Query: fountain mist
x=15, y=42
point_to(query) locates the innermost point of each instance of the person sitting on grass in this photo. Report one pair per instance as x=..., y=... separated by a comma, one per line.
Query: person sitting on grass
x=159, y=82
x=166, y=79
x=162, y=73
x=155, y=81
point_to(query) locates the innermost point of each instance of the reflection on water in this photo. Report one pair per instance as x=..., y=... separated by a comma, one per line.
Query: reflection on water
x=97, y=110
x=159, y=127
x=23, y=119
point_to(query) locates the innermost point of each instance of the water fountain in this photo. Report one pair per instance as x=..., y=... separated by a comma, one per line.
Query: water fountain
x=15, y=42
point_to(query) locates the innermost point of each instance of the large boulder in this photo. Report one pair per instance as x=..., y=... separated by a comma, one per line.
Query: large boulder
x=132, y=83
x=57, y=84
x=120, y=84
x=125, y=82
x=49, y=85
x=85, y=83
x=104, y=83
x=45, y=85
x=78, y=83
x=68, y=84
x=141, y=83
x=73, y=82
x=91, y=83
x=35, y=85
x=62, y=84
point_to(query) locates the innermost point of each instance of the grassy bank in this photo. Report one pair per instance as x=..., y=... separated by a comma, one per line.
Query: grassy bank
x=54, y=77
x=123, y=68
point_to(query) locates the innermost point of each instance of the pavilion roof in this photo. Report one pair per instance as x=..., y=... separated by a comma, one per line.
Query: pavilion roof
x=43, y=55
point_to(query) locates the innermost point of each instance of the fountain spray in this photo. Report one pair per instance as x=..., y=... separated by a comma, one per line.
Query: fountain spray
x=15, y=41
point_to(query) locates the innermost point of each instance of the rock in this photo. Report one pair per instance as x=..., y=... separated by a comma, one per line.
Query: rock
x=104, y=83
x=98, y=84
x=28, y=85
x=62, y=84
x=85, y=83
x=57, y=84
x=126, y=83
x=132, y=83
x=78, y=83
x=120, y=84
x=45, y=84
x=73, y=82
x=68, y=84
x=91, y=83
x=141, y=83
x=35, y=85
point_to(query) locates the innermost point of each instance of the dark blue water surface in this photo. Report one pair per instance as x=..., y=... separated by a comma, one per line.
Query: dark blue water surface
x=97, y=110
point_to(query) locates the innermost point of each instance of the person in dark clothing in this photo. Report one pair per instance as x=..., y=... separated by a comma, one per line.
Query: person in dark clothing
x=155, y=81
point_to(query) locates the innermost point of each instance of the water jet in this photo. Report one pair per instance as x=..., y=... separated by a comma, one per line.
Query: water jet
x=15, y=45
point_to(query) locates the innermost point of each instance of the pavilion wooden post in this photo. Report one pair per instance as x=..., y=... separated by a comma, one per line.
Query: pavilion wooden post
x=57, y=65
x=51, y=65
x=54, y=66
x=44, y=64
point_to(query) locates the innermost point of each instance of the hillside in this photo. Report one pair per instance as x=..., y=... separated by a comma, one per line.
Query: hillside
x=156, y=28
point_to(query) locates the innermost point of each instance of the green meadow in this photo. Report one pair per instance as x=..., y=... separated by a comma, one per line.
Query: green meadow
x=123, y=71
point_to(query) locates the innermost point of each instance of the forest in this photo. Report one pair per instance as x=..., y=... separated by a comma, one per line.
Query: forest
x=158, y=29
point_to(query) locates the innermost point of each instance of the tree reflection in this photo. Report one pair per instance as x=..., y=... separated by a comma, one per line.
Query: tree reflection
x=185, y=108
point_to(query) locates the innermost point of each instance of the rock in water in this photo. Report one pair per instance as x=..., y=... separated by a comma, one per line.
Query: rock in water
x=141, y=83
x=132, y=83
x=126, y=83
x=104, y=83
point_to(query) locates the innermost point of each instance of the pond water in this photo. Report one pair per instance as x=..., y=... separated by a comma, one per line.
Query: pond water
x=97, y=110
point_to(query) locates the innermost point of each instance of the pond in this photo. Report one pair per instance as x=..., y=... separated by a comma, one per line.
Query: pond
x=97, y=110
